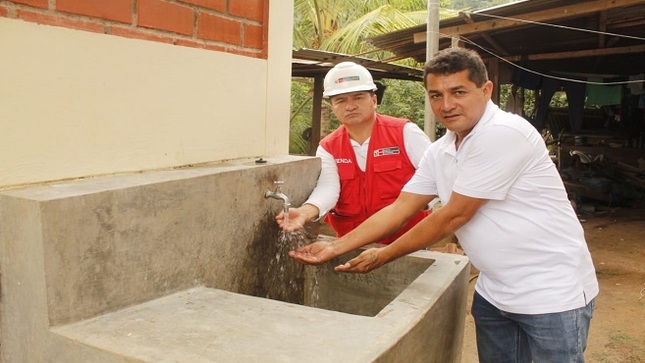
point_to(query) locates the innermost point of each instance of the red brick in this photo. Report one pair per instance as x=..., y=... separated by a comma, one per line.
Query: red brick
x=247, y=53
x=249, y=9
x=217, y=5
x=253, y=36
x=117, y=10
x=189, y=43
x=213, y=27
x=138, y=34
x=163, y=15
x=57, y=20
x=4, y=12
x=216, y=48
x=200, y=45
x=36, y=3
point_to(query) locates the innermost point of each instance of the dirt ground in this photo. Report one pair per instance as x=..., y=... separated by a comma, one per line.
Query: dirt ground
x=616, y=239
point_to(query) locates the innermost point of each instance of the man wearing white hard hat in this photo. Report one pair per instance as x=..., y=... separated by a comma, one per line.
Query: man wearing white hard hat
x=365, y=162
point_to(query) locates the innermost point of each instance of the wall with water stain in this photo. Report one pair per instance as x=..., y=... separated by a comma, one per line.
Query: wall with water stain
x=74, y=250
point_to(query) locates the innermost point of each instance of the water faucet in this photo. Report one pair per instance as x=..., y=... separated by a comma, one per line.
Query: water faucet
x=278, y=194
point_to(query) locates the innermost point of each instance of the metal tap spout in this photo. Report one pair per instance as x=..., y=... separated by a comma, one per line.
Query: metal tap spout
x=279, y=195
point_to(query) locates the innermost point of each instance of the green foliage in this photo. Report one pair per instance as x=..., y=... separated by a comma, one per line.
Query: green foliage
x=404, y=99
x=529, y=99
x=559, y=100
x=350, y=38
x=301, y=104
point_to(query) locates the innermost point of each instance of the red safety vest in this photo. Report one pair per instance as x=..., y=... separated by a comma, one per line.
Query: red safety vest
x=387, y=170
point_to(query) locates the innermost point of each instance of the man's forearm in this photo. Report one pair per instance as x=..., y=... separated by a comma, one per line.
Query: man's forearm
x=429, y=231
x=380, y=225
x=434, y=227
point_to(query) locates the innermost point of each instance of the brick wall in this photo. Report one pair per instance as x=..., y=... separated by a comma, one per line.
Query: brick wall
x=232, y=26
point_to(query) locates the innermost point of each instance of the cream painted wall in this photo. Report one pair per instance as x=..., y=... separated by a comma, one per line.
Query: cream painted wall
x=77, y=104
x=279, y=76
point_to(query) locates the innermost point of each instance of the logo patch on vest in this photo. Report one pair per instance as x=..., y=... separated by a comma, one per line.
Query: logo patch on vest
x=343, y=161
x=394, y=150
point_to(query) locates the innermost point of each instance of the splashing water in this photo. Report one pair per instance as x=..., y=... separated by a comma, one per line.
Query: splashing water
x=285, y=275
x=286, y=216
x=294, y=239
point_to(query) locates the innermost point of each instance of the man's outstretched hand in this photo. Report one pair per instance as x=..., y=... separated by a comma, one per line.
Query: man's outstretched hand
x=295, y=220
x=367, y=261
x=314, y=254
x=322, y=251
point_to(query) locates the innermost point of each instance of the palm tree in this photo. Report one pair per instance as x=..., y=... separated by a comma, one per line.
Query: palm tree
x=342, y=25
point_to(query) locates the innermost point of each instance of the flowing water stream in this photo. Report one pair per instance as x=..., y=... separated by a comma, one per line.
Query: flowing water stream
x=286, y=278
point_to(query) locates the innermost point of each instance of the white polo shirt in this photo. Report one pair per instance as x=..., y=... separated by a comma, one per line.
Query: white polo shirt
x=526, y=239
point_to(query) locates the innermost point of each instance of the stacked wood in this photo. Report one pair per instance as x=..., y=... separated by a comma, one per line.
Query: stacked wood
x=634, y=174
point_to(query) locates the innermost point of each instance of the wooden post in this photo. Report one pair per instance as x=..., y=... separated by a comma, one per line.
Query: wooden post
x=316, y=113
x=493, y=75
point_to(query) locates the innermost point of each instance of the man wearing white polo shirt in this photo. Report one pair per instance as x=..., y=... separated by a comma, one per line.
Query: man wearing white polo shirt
x=503, y=198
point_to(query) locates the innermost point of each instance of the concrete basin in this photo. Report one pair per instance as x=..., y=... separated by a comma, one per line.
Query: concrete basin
x=184, y=265
x=411, y=310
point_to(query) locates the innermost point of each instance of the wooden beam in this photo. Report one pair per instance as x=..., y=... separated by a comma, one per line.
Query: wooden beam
x=602, y=28
x=455, y=42
x=562, y=12
x=493, y=75
x=580, y=53
x=468, y=19
x=602, y=42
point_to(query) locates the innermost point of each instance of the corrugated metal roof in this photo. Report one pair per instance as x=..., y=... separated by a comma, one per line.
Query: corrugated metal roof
x=312, y=63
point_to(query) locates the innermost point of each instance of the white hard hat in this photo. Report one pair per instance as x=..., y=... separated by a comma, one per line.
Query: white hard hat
x=347, y=77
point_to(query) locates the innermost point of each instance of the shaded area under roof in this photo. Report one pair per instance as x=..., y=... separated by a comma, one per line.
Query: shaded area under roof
x=613, y=44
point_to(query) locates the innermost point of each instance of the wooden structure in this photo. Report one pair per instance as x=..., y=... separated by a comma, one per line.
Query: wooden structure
x=583, y=37
x=559, y=39
x=566, y=41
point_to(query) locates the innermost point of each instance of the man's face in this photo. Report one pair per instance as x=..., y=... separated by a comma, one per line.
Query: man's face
x=456, y=101
x=354, y=108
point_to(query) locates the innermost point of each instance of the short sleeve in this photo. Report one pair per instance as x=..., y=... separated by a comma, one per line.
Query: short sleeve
x=423, y=181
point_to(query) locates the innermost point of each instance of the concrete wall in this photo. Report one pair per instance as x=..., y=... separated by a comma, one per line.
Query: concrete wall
x=424, y=323
x=435, y=336
x=93, y=88
x=361, y=294
x=85, y=94
x=74, y=250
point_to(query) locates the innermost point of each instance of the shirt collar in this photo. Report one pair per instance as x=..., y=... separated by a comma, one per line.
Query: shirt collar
x=485, y=120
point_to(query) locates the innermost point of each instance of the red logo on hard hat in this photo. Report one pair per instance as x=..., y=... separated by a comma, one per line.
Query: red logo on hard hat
x=348, y=78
